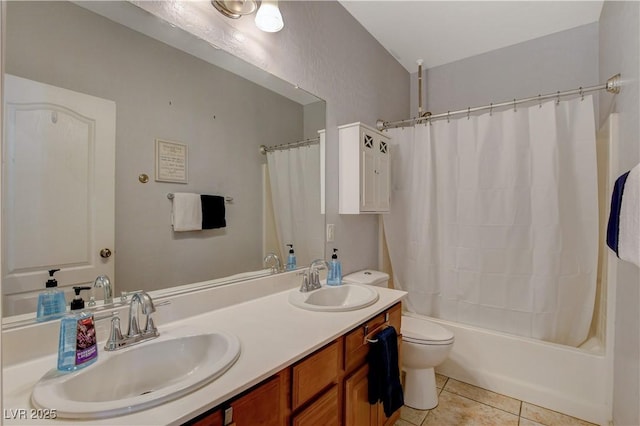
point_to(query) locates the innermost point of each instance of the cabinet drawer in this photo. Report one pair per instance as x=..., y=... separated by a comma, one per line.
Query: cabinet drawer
x=325, y=411
x=356, y=349
x=315, y=373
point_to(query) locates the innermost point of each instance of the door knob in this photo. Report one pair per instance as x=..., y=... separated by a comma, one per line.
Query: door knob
x=105, y=253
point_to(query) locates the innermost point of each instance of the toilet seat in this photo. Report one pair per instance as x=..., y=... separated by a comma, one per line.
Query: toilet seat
x=424, y=332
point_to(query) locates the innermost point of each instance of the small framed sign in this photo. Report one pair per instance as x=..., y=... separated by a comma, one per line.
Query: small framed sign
x=171, y=161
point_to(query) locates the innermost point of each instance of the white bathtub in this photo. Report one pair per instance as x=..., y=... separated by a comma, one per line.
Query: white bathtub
x=569, y=380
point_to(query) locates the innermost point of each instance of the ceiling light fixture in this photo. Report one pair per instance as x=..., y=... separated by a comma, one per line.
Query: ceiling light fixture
x=269, y=18
x=235, y=8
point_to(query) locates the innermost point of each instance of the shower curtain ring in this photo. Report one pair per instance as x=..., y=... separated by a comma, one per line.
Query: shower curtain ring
x=491, y=109
x=558, y=98
x=468, y=112
x=539, y=101
x=514, y=105
x=448, y=112
x=581, y=94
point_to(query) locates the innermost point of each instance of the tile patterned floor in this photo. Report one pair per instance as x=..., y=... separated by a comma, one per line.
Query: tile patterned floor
x=463, y=404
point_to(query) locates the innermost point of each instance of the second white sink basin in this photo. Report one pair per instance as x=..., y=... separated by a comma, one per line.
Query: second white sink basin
x=137, y=378
x=345, y=297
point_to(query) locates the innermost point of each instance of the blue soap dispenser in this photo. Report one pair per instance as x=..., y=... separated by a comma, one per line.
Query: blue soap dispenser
x=335, y=270
x=51, y=302
x=78, y=345
x=291, y=259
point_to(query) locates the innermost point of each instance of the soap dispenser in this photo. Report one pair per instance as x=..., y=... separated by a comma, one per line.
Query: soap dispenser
x=51, y=302
x=291, y=259
x=335, y=270
x=78, y=345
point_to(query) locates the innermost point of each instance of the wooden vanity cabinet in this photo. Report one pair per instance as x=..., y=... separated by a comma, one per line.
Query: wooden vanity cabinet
x=357, y=410
x=328, y=387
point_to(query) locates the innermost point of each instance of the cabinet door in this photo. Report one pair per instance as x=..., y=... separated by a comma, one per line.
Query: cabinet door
x=325, y=411
x=368, y=148
x=211, y=419
x=262, y=406
x=382, y=176
x=358, y=411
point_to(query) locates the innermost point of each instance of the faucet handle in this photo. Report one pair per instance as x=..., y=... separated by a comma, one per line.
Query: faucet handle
x=304, y=287
x=115, y=336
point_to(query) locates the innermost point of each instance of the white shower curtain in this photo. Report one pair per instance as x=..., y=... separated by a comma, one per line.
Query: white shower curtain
x=294, y=175
x=494, y=219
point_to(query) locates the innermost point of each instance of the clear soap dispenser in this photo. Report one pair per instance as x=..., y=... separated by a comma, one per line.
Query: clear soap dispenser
x=291, y=259
x=78, y=345
x=335, y=270
x=51, y=302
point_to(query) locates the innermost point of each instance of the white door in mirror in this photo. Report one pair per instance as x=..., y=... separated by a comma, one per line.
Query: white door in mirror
x=61, y=213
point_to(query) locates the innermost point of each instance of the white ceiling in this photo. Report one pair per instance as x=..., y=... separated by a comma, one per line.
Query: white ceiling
x=440, y=32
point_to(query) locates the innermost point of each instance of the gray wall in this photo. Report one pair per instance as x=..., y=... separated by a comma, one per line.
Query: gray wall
x=324, y=50
x=620, y=52
x=161, y=92
x=560, y=61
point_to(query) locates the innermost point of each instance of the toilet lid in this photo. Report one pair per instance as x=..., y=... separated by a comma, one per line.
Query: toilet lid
x=423, y=331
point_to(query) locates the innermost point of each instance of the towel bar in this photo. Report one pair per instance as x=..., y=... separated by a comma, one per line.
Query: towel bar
x=227, y=200
x=367, y=334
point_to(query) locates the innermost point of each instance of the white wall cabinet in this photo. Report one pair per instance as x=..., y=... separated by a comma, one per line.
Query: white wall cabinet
x=364, y=167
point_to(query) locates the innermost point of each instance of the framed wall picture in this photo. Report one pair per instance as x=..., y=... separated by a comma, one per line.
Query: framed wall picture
x=171, y=162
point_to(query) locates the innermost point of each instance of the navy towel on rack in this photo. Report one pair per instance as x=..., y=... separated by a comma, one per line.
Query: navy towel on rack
x=213, y=212
x=613, y=227
x=384, y=374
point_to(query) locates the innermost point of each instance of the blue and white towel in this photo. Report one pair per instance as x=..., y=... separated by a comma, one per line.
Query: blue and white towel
x=623, y=229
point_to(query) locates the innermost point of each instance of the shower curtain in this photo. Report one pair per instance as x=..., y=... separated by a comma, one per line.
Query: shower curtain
x=494, y=219
x=294, y=176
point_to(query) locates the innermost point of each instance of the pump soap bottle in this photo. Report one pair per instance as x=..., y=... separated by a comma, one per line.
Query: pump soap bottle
x=335, y=270
x=51, y=302
x=78, y=345
x=291, y=259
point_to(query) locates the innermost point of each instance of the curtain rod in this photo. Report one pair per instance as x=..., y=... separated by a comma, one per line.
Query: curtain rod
x=264, y=149
x=612, y=86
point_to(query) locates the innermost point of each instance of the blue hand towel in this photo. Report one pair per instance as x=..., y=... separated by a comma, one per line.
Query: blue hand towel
x=623, y=228
x=613, y=227
x=384, y=374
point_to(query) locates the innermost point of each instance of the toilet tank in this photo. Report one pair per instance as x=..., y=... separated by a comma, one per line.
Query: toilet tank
x=368, y=277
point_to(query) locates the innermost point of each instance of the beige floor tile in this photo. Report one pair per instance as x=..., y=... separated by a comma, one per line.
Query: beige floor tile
x=440, y=380
x=493, y=399
x=456, y=410
x=412, y=415
x=548, y=417
x=527, y=422
x=401, y=422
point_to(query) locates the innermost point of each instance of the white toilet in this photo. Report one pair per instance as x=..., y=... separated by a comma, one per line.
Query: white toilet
x=425, y=345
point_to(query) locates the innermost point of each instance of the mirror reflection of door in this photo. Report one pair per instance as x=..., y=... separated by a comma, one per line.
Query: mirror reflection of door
x=58, y=190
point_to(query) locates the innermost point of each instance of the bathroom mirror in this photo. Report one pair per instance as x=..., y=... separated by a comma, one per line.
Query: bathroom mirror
x=170, y=90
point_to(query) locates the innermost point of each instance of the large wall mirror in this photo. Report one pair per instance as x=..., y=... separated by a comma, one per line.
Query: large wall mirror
x=177, y=116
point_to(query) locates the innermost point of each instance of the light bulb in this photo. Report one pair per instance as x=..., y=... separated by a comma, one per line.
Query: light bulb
x=268, y=17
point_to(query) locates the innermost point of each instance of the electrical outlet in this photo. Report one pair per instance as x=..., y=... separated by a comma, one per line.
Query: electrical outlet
x=331, y=230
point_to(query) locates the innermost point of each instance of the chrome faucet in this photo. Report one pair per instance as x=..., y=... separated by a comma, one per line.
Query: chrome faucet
x=139, y=301
x=277, y=266
x=311, y=277
x=104, y=282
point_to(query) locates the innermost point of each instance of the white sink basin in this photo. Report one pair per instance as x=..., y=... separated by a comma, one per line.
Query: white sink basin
x=345, y=297
x=137, y=378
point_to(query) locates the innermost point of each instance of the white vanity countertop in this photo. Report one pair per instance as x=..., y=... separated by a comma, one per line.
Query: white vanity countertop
x=273, y=335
